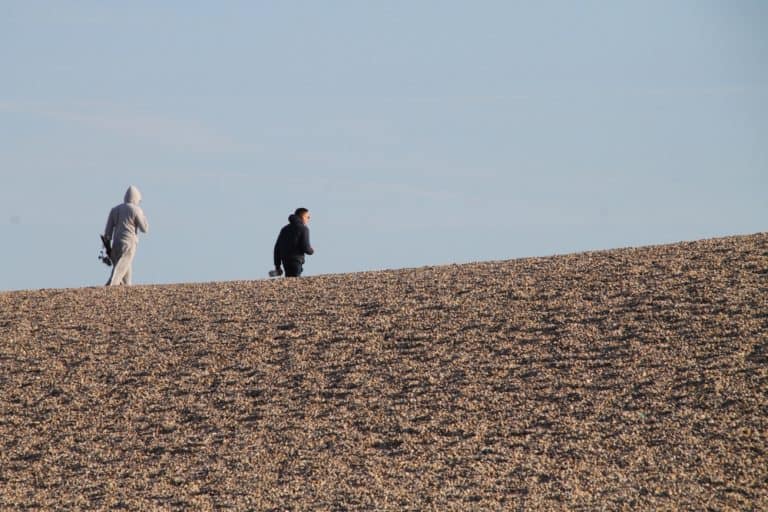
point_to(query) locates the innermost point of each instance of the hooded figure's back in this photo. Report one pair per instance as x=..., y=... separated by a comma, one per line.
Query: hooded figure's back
x=123, y=224
x=125, y=220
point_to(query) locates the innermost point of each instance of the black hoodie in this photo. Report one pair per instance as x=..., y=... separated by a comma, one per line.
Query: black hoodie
x=293, y=242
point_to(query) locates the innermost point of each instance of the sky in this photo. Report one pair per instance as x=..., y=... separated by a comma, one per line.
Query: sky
x=418, y=132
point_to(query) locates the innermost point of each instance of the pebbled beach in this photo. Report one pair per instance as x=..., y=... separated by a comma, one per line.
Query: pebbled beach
x=628, y=379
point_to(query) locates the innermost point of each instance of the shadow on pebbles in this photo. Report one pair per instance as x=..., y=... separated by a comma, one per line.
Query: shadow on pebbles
x=623, y=379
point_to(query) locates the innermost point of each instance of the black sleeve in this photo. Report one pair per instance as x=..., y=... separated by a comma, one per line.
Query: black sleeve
x=277, y=251
x=306, y=248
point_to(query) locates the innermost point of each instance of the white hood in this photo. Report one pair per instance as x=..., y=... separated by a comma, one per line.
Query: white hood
x=132, y=195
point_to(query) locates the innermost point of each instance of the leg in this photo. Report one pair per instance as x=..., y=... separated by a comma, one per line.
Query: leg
x=292, y=268
x=117, y=251
x=128, y=273
x=123, y=266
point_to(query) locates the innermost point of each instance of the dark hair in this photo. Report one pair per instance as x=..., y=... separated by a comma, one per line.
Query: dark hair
x=300, y=211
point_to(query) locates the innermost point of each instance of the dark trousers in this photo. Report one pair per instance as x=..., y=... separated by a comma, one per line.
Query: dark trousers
x=293, y=268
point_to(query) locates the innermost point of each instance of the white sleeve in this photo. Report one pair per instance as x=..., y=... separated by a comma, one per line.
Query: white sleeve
x=110, y=225
x=141, y=221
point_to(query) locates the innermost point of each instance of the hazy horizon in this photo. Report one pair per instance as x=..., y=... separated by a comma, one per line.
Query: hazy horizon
x=416, y=133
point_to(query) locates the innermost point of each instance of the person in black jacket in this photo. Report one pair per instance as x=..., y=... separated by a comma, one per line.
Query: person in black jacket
x=292, y=244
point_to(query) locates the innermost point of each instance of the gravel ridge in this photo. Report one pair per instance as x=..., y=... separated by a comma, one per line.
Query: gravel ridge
x=628, y=379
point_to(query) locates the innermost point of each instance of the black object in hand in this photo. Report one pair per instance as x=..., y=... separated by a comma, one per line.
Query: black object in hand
x=106, y=258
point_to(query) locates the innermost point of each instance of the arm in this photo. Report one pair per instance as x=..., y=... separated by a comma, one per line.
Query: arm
x=110, y=225
x=141, y=221
x=276, y=255
x=305, y=246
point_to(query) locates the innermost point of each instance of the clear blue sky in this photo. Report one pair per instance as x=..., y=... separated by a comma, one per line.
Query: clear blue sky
x=417, y=132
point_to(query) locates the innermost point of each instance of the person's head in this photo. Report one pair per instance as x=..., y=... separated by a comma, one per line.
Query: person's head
x=303, y=214
x=132, y=195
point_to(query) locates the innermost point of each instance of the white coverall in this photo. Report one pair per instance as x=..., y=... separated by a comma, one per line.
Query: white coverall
x=123, y=224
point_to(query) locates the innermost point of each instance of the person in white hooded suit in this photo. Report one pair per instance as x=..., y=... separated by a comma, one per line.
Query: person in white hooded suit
x=123, y=226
